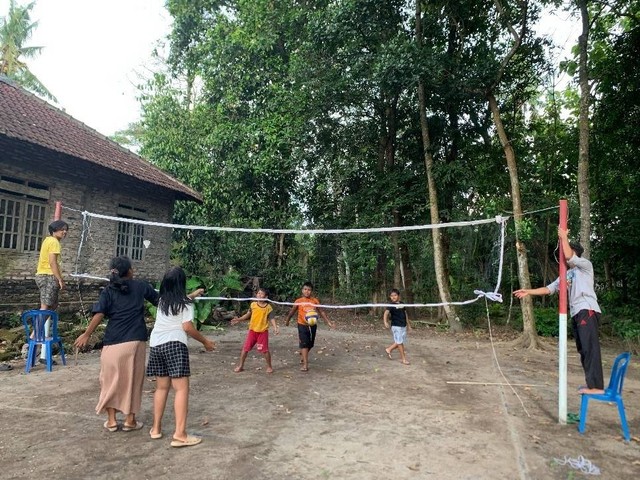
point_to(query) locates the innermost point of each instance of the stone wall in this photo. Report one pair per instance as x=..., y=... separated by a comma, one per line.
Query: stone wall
x=91, y=242
x=21, y=295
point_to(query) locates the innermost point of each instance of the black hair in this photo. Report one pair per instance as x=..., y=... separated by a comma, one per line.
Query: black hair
x=265, y=290
x=173, y=292
x=119, y=268
x=576, y=247
x=308, y=284
x=58, y=225
x=394, y=290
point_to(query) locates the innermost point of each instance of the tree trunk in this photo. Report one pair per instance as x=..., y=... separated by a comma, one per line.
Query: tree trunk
x=439, y=263
x=529, y=337
x=583, y=126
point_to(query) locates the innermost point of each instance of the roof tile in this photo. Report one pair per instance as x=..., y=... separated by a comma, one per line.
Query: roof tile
x=25, y=117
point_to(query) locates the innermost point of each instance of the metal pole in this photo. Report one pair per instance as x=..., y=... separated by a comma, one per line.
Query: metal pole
x=562, y=324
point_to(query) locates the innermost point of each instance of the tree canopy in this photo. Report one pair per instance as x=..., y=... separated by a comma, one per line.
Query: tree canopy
x=306, y=114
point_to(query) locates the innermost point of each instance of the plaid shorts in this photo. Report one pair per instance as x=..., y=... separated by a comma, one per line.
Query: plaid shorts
x=49, y=289
x=170, y=359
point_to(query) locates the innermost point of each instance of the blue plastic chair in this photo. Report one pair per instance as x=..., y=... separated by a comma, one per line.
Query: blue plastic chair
x=34, y=322
x=613, y=393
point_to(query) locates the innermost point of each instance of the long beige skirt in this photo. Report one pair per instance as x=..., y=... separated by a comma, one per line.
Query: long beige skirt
x=122, y=368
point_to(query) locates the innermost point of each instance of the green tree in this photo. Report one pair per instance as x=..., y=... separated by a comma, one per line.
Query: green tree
x=16, y=29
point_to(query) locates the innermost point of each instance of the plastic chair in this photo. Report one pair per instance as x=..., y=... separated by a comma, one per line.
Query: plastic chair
x=34, y=322
x=613, y=393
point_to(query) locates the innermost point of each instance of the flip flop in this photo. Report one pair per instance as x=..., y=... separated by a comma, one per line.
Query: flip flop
x=110, y=428
x=304, y=369
x=131, y=428
x=189, y=442
x=388, y=354
x=155, y=436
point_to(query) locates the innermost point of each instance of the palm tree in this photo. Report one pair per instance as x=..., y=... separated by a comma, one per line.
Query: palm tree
x=15, y=30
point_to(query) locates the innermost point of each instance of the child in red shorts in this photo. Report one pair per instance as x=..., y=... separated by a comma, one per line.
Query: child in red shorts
x=260, y=313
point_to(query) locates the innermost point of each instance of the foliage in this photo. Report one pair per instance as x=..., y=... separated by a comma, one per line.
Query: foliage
x=214, y=287
x=627, y=328
x=305, y=115
x=15, y=30
x=547, y=322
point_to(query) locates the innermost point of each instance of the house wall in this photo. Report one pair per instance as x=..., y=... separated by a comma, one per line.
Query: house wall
x=91, y=242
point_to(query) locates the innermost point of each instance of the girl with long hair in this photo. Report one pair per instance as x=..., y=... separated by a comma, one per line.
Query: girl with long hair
x=169, y=354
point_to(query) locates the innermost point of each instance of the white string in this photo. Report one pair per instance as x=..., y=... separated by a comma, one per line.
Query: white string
x=495, y=358
x=497, y=219
x=580, y=463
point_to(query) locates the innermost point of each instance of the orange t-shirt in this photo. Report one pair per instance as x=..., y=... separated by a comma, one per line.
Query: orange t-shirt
x=304, y=305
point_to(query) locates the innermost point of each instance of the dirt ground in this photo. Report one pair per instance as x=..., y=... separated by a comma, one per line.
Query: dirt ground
x=354, y=415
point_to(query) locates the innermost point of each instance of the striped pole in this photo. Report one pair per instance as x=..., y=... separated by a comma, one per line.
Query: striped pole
x=562, y=325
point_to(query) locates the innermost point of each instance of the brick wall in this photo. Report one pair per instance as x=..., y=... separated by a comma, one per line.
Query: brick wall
x=87, y=250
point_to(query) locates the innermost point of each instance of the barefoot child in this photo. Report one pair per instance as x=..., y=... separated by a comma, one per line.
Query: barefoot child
x=169, y=355
x=308, y=313
x=260, y=314
x=399, y=325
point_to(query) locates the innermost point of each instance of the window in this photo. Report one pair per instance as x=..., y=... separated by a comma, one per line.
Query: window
x=23, y=213
x=130, y=235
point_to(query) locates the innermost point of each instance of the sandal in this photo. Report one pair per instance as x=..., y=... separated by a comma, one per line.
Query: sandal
x=110, y=428
x=131, y=428
x=188, y=442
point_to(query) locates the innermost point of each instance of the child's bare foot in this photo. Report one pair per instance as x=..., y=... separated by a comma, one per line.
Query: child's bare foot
x=269, y=370
x=388, y=353
x=304, y=368
x=238, y=369
x=405, y=362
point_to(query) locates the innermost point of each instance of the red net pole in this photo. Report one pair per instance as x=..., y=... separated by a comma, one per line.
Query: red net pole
x=57, y=215
x=562, y=323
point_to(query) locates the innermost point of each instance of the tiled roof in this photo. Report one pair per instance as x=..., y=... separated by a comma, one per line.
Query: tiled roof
x=25, y=117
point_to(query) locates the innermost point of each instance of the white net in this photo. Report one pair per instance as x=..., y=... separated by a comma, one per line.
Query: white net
x=319, y=253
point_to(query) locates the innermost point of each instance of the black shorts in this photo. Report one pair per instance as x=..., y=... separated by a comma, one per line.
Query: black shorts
x=170, y=359
x=307, y=335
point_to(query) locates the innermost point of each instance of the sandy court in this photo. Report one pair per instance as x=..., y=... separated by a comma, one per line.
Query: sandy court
x=354, y=415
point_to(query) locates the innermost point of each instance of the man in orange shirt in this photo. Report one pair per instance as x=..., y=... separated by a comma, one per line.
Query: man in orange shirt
x=308, y=313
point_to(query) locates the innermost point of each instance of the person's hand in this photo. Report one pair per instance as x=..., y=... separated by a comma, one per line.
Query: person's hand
x=563, y=234
x=523, y=292
x=276, y=329
x=331, y=324
x=386, y=325
x=61, y=284
x=286, y=322
x=198, y=292
x=82, y=341
x=209, y=345
x=409, y=328
x=234, y=320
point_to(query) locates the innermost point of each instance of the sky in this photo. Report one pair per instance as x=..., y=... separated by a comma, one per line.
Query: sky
x=95, y=53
